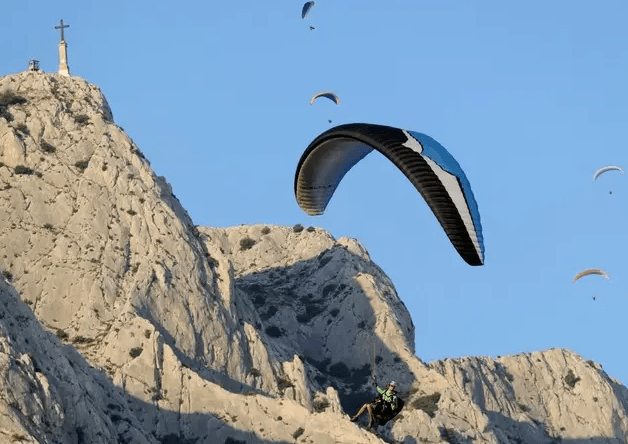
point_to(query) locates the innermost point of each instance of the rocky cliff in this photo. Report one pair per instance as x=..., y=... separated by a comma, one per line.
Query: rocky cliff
x=123, y=322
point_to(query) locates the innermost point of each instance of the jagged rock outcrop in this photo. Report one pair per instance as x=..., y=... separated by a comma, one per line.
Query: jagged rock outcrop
x=123, y=322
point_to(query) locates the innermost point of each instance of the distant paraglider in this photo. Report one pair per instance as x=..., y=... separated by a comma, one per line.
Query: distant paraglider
x=328, y=95
x=427, y=164
x=601, y=171
x=306, y=9
x=590, y=271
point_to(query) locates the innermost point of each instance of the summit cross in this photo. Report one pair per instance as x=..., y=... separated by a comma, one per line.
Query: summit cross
x=61, y=26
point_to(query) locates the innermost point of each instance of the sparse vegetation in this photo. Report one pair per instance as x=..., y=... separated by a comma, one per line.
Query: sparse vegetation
x=269, y=313
x=62, y=335
x=328, y=289
x=246, y=243
x=298, y=432
x=265, y=230
x=297, y=228
x=82, y=165
x=273, y=331
x=448, y=435
x=284, y=383
x=135, y=352
x=310, y=229
x=255, y=372
x=311, y=310
x=9, y=98
x=21, y=169
x=320, y=405
x=81, y=119
x=131, y=212
x=259, y=301
x=48, y=226
x=7, y=275
x=570, y=379
x=4, y=112
x=339, y=370
x=81, y=340
x=22, y=128
x=427, y=403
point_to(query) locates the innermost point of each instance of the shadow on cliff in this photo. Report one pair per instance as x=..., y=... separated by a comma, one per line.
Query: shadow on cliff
x=302, y=304
x=84, y=391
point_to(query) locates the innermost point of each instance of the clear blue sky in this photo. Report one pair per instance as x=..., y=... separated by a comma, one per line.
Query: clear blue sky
x=530, y=97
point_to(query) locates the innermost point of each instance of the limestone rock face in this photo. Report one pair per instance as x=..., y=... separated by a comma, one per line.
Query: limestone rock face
x=123, y=322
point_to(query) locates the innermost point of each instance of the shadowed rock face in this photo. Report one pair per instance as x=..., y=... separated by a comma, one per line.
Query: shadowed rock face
x=121, y=321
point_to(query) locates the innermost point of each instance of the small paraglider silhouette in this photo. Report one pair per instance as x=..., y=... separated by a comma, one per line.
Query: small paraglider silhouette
x=603, y=170
x=594, y=298
x=329, y=121
x=312, y=28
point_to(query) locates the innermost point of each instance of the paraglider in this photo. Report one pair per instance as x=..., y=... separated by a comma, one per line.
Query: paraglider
x=306, y=9
x=328, y=95
x=601, y=171
x=427, y=164
x=590, y=271
x=383, y=408
x=605, y=169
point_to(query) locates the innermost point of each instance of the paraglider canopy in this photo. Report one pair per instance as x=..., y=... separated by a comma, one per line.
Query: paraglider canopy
x=601, y=171
x=328, y=95
x=427, y=164
x=306, y=9
x=590, y=271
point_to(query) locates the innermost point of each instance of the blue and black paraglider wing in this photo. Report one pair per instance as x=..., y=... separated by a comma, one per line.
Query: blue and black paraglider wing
x=306, y=9
x=433, y=171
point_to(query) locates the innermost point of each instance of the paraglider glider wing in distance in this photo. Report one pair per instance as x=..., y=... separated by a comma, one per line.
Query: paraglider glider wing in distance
x=328, y=95
x=590, y=271
x=601, y=171
x=306, y=9
x=427, y=164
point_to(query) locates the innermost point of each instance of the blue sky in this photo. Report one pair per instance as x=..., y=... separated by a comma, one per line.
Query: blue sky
x=530, y=97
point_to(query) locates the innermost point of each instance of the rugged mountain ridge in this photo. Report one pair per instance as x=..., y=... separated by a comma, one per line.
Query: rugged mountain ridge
x=122, y=321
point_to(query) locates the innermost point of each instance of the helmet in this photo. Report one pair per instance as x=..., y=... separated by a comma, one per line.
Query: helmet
x=392, y=384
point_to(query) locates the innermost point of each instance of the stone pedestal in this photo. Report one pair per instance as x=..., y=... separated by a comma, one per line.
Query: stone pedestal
x=64, y=69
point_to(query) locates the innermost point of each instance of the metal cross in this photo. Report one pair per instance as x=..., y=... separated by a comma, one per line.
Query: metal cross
x=61, y=26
